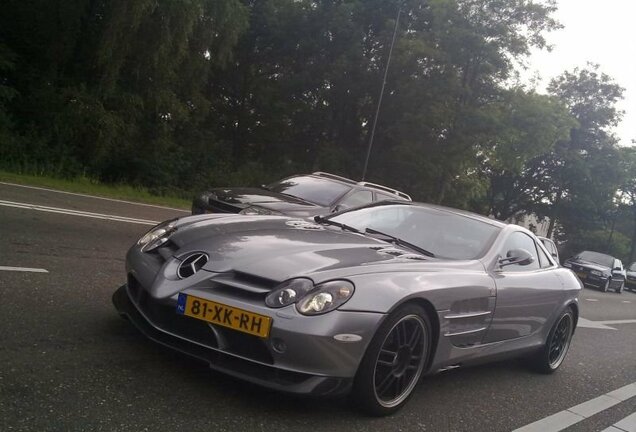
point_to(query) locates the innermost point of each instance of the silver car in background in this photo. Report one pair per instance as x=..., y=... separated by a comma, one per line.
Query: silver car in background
x=366, y=301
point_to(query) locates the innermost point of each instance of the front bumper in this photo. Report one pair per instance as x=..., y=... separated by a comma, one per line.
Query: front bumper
x=312, y=363
x=595, y=281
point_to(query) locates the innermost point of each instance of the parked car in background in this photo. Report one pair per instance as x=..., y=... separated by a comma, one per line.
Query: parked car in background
x=551, y=247
x=598, y=270
x=630, y=280
x=302, y=196
x=365, y=301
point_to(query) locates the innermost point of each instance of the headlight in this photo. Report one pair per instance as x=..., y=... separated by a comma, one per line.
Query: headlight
x=157, y=236
x=289, y=292
x=310, y=299
x=326, y=297
x=567, y=264
x=256, y=210
x=596, y=273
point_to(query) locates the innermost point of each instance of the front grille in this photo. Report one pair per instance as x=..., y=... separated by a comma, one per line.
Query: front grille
x=165, y=317
x=243, y=285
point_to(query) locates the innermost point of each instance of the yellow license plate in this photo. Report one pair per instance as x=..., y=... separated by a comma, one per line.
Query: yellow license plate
x=223, y=315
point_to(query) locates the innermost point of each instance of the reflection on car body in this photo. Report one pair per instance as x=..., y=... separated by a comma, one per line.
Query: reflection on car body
x=365, y=301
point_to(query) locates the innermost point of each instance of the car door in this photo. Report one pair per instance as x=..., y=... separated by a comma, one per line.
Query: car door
x=527, y=295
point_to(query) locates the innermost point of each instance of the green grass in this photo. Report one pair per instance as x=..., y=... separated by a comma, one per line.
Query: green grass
x=92, y=187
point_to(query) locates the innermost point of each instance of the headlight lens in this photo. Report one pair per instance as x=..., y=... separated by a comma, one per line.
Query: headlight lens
x=256, y=210
x=567, y=264
x=325, y=298
x=157, y=236
x=289, y=292
x=310, y=299
x=596, y=273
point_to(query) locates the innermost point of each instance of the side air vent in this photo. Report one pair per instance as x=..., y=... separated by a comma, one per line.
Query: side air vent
x=192, y=264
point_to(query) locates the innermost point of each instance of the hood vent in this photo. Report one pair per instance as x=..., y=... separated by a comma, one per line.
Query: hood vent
x=398, y=253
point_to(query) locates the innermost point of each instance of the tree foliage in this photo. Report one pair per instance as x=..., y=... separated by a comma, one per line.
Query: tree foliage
x=182, y=95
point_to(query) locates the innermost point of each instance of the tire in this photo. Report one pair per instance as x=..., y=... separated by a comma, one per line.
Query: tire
x=551, y=356
x=606, y=286
x=394, y=362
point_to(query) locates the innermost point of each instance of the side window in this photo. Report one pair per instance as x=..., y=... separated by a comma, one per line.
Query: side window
x=519, y=240
x=357, y=198
x=544, y=261
x=383, y=197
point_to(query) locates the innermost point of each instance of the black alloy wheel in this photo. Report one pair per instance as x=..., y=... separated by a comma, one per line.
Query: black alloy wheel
x=394, y=362
x=554, y=351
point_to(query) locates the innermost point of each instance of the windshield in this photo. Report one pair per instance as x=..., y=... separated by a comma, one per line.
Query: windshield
x=597, y=258
x=315, y=190
x=443, y=233
x=632, y=267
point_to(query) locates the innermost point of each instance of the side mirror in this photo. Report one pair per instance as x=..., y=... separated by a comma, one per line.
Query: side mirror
x=339, y=207
x=516, y=256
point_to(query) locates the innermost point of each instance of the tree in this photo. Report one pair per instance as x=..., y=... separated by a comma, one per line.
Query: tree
x=575, y=183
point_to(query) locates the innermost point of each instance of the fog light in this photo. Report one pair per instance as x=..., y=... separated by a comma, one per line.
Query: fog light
x=279, y=345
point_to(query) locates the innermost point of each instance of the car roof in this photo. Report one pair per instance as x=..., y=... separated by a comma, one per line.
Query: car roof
x=598, y=253
x=362, y=184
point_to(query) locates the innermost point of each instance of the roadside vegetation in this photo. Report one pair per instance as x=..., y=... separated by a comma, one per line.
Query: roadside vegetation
x=84, y=185
x=171, y=97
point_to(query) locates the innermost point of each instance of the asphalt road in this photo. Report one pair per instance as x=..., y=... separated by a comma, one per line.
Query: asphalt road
x=69, y=363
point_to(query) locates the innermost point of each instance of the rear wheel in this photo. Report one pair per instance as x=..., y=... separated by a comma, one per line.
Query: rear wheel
x=554, y=351
x=394, y=362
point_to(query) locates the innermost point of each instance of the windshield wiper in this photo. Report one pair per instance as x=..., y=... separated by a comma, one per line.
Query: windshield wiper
x=324, y=220
x=398, y=241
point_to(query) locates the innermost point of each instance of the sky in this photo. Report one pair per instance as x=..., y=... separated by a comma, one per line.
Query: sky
x=602, y=32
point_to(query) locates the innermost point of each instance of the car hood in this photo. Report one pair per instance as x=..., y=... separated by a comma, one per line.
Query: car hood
x=249, y=196
x=278, y=248
x=590, y=265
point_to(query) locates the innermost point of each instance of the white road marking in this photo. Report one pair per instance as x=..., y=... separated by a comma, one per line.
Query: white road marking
x=93, y=196
x=625, y=301
x=628, y=424
x=566, y=418
x=586, y=323
x=76, y=213
x=626, y=321
x=612, y=429
x=592, y=300
x=23, y=269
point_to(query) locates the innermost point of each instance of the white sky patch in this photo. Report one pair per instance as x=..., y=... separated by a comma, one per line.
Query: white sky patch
x=598, y=32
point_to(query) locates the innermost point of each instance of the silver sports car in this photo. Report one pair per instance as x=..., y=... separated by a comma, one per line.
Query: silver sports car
x=365, y=301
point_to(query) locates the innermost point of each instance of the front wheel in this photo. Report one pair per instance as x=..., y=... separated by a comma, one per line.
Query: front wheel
x=394, y=362
x=621, y=288
x=606, y=286
x=553, y=352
